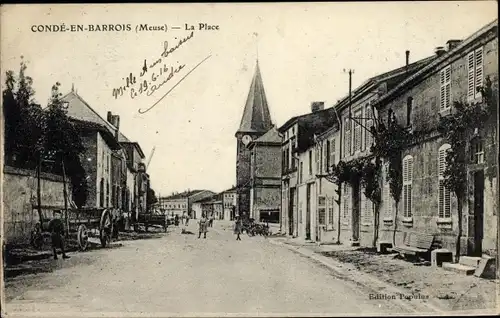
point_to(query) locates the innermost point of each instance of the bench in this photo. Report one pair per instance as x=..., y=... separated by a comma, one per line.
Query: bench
x=415, y=243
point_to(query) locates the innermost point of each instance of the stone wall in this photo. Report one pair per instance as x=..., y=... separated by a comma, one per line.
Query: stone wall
x=19, y=196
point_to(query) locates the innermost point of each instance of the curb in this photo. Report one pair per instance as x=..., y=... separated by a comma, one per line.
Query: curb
x=349, y=273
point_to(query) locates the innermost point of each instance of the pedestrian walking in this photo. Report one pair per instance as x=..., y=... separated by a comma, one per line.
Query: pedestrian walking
x=56, y=227
x=203, y=223
x=211, y=223
x=187, y=219
x=237, y=228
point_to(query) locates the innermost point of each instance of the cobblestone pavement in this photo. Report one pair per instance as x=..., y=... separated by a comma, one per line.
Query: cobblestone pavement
x=179, y=274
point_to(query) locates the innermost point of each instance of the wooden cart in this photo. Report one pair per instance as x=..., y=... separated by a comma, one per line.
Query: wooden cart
x=82, y=225
x=152, y=219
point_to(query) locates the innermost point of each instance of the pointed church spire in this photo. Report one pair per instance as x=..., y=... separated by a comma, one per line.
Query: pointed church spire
x=256, y=116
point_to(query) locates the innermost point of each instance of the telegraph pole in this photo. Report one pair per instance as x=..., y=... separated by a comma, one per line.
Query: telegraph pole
x=350, y=72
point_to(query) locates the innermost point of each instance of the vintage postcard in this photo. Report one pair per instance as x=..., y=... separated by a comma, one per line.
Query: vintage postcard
x=249, y=159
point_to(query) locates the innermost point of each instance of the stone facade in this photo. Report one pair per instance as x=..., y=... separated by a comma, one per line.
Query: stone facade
x=265, y=193
x=424, y=92
x=20, y=200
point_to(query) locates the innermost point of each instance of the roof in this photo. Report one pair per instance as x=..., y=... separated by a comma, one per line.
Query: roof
x=392, y=77
x=256, y=116
x=429, y=67
x=182, y=195
x=78, y=108
x=272, y=136
x=108, y=137
x=136, y=145
x=306, y=118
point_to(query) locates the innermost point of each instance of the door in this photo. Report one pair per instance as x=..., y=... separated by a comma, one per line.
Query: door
x=478, y=212
x=291, y=206
x=356, y=199
x=308, y=213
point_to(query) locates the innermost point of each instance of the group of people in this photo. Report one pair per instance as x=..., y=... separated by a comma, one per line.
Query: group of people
x=205, y=222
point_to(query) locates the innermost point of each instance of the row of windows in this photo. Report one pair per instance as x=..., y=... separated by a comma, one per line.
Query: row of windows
x=324, y=155
x=444, y=194
x=357, y=136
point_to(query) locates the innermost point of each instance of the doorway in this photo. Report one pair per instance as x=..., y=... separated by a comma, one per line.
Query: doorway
x=308, y=213
x=291, y=209
x=478, y=212
x=356, y=199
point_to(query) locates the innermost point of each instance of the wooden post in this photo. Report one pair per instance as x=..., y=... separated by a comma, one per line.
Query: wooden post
x=39, y=189
x=65, y=193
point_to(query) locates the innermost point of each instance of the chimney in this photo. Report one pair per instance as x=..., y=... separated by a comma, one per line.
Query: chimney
x=317, y=106
x=407, y=59
x=116, y=123
x=109, y=117
x=451, y=44
x=439, y=51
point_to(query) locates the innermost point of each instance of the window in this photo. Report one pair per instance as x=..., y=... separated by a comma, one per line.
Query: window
x=321, y=210
x=283, y=160
x=369, y=124
x=347, y=201
x=367, y=208
x=327, y=156
x=407, y=183
x=310, y=162
x=107, y=194
x=386, y=195
x=445, y=88
x=474, y=73
x=317, y=155
x=332, y=151
x=409, y=106
x=477, y=152
x=347, y=137
x=357, y=131
x=101, y=193
x=301, y=173
x=330, y=211
x=444, y=210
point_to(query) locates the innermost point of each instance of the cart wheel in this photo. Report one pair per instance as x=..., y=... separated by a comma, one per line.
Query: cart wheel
x=82, y=237
x=106, y=228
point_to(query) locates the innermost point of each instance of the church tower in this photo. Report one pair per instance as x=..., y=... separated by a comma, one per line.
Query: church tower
x=255, y=122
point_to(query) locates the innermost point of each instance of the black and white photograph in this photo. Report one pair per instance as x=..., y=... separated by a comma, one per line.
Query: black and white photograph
x=291, y=159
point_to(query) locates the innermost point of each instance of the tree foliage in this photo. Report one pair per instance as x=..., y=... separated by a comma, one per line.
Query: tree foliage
x=36, y=136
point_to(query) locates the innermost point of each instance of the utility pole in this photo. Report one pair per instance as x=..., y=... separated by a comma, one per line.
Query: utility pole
x=65, y=193
x=350, y=72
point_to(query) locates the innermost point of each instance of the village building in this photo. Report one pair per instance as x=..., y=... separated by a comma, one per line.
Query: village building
x=121, y=178
x=255, y=122
x=418, y=103
x=265, y=177
x=229, y=204
x=299, y=189
x=357, y=117
x=182, y=203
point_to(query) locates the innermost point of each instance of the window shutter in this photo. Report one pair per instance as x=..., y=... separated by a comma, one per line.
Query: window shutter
x=321, y=210
x=442, y=162
x=369, y=123
x=327, y=154
x=447, y=203
x=332, y=151
x=317, y=154
x=479, y=71
x=470, y=75
x=330, y=211
x=445, y=88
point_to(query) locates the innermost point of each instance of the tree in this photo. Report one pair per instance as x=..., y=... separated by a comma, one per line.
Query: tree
x=63, y=146
x=151, y=197
x=24, y=119
x=389, y=145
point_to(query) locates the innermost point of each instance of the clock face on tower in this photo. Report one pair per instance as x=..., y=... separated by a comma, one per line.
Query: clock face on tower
x=246, y=139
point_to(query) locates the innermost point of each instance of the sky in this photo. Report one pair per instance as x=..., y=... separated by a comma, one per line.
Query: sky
x=303, y=50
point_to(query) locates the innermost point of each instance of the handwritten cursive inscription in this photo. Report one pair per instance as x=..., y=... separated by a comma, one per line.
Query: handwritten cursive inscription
x=171, y=89
x=156, y=68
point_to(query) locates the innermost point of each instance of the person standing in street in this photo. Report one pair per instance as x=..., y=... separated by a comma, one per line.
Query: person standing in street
x=56, y=228
x=237, y=228
x=203, y=223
